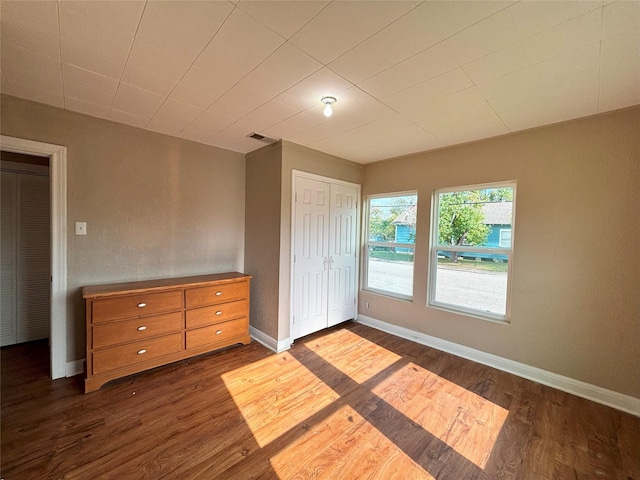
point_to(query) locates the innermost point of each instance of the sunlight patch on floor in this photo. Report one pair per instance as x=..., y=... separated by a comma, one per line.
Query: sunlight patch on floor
x=345, y=442
x=276, y=394
x=463, y=420
x=353, y=355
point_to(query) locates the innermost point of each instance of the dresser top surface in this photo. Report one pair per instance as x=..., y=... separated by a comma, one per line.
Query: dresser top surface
x=94, y=291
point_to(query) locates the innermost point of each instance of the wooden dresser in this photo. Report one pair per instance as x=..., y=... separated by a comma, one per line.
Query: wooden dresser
x=135, y=326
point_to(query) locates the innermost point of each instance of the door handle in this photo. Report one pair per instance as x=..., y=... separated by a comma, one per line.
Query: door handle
x=325, y=263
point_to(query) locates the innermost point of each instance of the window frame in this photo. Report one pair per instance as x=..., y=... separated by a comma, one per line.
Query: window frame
x=434, y=247
x=367, y=243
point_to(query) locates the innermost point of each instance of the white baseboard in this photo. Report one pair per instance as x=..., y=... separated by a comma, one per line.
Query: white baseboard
x=268, y=341
x=619, y=401
x=74, y=368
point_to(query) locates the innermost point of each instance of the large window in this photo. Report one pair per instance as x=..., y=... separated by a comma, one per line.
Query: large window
x=391, y=237
x=472, y=249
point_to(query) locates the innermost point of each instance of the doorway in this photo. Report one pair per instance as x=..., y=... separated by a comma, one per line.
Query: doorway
x=58, y=183
x=26, y=249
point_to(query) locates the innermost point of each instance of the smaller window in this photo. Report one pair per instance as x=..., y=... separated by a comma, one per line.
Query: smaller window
x=471, y=250
x=389, y=249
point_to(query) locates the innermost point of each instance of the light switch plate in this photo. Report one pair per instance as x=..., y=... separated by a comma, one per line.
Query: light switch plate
x=81, y=228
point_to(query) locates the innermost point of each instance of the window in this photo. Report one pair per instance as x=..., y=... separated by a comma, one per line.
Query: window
x=471, y=250
x=391, y=236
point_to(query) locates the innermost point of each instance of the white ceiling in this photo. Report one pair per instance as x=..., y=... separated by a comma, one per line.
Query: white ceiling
x=409, y=76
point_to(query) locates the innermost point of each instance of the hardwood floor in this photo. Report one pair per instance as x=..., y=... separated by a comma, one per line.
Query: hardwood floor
x=347, y=403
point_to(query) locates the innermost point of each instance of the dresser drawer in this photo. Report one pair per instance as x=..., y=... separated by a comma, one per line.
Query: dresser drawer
x=223, y=312
x=216, y=333
x=137, y=352
x=106, y=309
x=228, y=292
x=108, y=334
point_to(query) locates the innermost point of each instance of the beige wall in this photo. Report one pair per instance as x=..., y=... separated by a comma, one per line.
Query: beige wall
x=262, y=229
x=576, y=266
x=268, y=227
x=155, y=206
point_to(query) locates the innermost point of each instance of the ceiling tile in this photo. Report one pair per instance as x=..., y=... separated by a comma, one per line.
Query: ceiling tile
x=137, y=101
x=128, y=118
x=84, y=55
x=619, y=86
x=487, y=36
x=88, y=86
x=263, y=117
x=620, y=71
x=413, y=71
x=571, y=97
x=82, y=106
x=295, y=125
x=32, y=69
x=121, y=16
x=531, y=18
x=404, y=38
x=172, y=117
x=620, y=17
x=209, y=123
x=251, y=43
x=519, y=112
x=31, y=25
x=410, y=139
x=31, y=93
x=570, y=35
x=181, y=28
x=343, y=25
x=624, y=48
x=81, y=36
x=154, y=69
x=464, y=114
x=311, y=89
x=497, y=64
x=440, y=86
x=285, y=68
x=449, y=18
x=269, y=13
x=355, y=108
x=527, y=81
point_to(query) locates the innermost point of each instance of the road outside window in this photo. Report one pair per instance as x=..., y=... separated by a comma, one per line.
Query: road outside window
x=391, y=231
x=472, y=249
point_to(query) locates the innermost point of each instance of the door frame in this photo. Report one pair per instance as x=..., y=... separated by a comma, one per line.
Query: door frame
x=58, y=177
x=294, y=175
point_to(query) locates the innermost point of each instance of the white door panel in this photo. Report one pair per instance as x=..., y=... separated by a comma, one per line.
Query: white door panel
x=324, y=246
x=342, y=254
x=311, y=230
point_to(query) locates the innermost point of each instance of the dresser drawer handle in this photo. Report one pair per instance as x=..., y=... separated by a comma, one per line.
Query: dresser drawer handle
x=219, y=312
x=142, y=305
x=140, y=352
x=218, y=293
x=142, y=328
x=218, y=332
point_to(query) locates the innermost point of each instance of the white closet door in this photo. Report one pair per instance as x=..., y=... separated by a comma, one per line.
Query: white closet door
x=8, y=316
x=26, y=258
x=311, y=257
x=34, y=258
x=342, y=254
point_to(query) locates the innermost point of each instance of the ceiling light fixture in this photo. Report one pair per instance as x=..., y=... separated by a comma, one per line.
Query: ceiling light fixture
x=328, y=101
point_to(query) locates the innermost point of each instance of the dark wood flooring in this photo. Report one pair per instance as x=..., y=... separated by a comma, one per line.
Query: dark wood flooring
x=347, y=403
